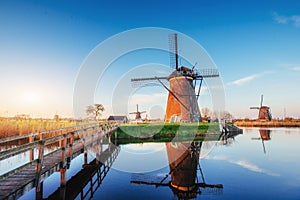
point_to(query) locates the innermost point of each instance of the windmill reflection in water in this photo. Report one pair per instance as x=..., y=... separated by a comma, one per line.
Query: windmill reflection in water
x=265, y=135
x=184, y=166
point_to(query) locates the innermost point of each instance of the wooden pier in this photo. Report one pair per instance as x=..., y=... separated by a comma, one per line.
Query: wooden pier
x=231, y=129
x=71, y=142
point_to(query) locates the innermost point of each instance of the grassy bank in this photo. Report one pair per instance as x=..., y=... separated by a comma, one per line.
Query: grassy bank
x=167, y=132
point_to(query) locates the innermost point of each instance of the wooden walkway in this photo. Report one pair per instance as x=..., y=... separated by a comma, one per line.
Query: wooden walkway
x=17, y=182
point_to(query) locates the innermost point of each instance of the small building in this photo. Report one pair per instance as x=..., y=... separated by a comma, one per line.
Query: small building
x=118, y=118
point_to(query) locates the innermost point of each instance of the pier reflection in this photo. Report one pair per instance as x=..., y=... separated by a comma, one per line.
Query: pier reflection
x=84, y=184
x=185, y=177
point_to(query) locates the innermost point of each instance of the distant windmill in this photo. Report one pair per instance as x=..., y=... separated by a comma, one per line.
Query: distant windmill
x=264, y=113
x=137, y=113
x=182, y=102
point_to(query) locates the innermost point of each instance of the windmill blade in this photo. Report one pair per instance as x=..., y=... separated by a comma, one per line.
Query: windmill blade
x=208, y=73
x=173, y=51
x=152, y=81
x=173, y=94
x=142, y=112
x=264, y=148
x=150, y=179
x=148, y=79
x=198, y=93
x=254, y=108
x=261, y=100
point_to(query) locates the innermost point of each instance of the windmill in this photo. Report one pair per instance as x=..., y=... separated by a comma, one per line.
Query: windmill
x=137, y=113
x=264, y=113
x=182, y=103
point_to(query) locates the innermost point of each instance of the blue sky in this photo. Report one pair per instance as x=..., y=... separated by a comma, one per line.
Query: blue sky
x=255, y=45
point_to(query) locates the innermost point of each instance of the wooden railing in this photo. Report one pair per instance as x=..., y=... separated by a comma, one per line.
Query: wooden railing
x=59, y=134
x=71, y=142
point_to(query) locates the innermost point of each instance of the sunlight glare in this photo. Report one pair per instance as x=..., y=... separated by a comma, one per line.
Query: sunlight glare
x=31, y=97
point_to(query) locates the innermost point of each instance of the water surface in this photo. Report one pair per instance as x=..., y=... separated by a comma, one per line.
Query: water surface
x=259, y=164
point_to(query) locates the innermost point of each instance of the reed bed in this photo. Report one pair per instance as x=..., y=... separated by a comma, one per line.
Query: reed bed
x=273, y=123
x=10, y=127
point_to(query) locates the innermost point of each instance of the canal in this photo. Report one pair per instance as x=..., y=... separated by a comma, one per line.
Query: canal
x=258, y=164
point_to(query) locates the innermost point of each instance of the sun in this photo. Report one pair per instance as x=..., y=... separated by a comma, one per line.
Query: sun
x=30, y=97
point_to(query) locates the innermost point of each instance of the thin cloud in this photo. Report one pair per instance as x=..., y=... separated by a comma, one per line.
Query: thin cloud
x=281, y=19
x=244, y=80
x=295, y=68
x=248, y=165
x=290, y=66
x=252, y=167
x=245, y=164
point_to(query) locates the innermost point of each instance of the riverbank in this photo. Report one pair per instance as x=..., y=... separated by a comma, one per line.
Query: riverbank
x=161, y=132
x=268, y=124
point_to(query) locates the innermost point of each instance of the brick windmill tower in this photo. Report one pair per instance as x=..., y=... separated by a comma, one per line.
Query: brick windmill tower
x=182, y=104
x=264, y=113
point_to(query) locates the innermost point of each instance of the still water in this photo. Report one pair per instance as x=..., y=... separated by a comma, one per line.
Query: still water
x=258, y=164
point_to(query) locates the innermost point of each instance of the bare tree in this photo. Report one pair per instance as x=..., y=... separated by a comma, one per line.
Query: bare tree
x=226, y=115
x=95, y=110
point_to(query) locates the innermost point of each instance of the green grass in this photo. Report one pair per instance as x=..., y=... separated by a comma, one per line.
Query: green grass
x=132, y=133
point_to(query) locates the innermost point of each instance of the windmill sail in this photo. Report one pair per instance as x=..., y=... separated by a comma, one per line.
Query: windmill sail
x=173, y=50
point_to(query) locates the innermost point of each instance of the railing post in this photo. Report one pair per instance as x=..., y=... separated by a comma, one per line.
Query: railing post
x=38, y=184
x=84, y=151
x=63, y=151
x=70, y=150
x=82, y=145
x=39, y=194
x=41, y=136
x=31, y=151
x=63, y=183
x=110, y=154
x=85, y=157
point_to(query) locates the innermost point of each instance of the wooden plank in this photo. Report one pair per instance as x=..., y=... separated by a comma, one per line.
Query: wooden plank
x=17, y=150
x=10, y=183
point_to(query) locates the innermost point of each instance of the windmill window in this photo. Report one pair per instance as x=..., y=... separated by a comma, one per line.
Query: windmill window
x=175, y=99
